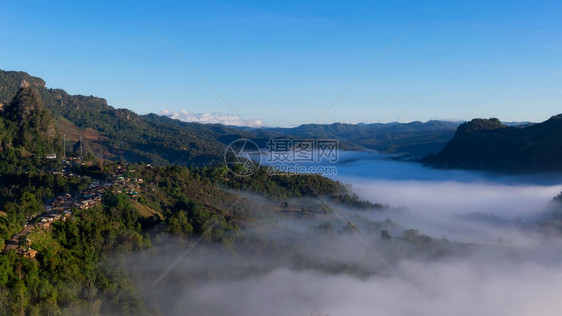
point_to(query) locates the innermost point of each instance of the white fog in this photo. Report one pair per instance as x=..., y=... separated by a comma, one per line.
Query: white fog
x=489, y=253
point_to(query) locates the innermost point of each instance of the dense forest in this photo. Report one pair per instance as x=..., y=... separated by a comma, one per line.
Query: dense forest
x=27, y=131
x=490, y=145
x=72, y=271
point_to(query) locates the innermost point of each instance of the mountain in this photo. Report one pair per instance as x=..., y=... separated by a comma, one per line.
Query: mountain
x=112, y=133
x=27, y=130
x=120, y=134
x=487, y=144
x=414, y=138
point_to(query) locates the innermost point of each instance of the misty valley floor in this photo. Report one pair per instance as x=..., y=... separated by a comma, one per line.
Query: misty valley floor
x=456, y=243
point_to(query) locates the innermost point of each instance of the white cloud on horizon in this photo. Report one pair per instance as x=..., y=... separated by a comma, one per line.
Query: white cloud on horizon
x=211, y=118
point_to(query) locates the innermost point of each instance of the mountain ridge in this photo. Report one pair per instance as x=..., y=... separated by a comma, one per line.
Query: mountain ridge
x=122, y=134
x=487, y=144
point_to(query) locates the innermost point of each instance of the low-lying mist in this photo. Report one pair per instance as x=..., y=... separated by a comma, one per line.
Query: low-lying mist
x=448, y=245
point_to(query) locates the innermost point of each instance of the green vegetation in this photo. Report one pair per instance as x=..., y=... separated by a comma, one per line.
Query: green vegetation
x=27, y=133
x=71, y=272
x=477, y=125
x=490, y=145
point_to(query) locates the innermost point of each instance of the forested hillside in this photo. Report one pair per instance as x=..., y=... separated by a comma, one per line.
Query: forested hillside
x=67, y=266
x=490, y=145
x=121, y=133
x=27, y=132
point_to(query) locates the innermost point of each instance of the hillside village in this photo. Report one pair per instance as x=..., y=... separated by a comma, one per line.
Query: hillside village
x=62, y=207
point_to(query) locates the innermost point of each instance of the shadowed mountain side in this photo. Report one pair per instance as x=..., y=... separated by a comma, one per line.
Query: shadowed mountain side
x=490, y=145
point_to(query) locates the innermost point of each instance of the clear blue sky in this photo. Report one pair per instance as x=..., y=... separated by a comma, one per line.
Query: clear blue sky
x=286, y=62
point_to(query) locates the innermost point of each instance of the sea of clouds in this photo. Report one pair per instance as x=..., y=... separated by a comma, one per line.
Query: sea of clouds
x=507, y=261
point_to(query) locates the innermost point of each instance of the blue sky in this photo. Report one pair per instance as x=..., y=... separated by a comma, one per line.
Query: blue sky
x=286, y=62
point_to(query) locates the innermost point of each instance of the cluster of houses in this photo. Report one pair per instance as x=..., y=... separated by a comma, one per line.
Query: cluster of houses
x=43, y=221
x=69, y=162
x=60, y=201
x=46, y=220
x=130, y=186
x=90, y=197
x=60, y=209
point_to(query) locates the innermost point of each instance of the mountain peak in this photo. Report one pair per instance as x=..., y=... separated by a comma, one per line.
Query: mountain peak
x=479, y=124
x=24, y=105
x=35, y=128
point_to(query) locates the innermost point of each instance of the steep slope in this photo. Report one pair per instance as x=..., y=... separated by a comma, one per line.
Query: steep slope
x=29, y=127
x=490, y=145
x=12, y=81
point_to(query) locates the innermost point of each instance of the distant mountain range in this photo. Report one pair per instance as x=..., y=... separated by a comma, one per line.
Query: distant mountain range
x=487, y=144
x=122, y=134
x=415, y=139
x=37, y=120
